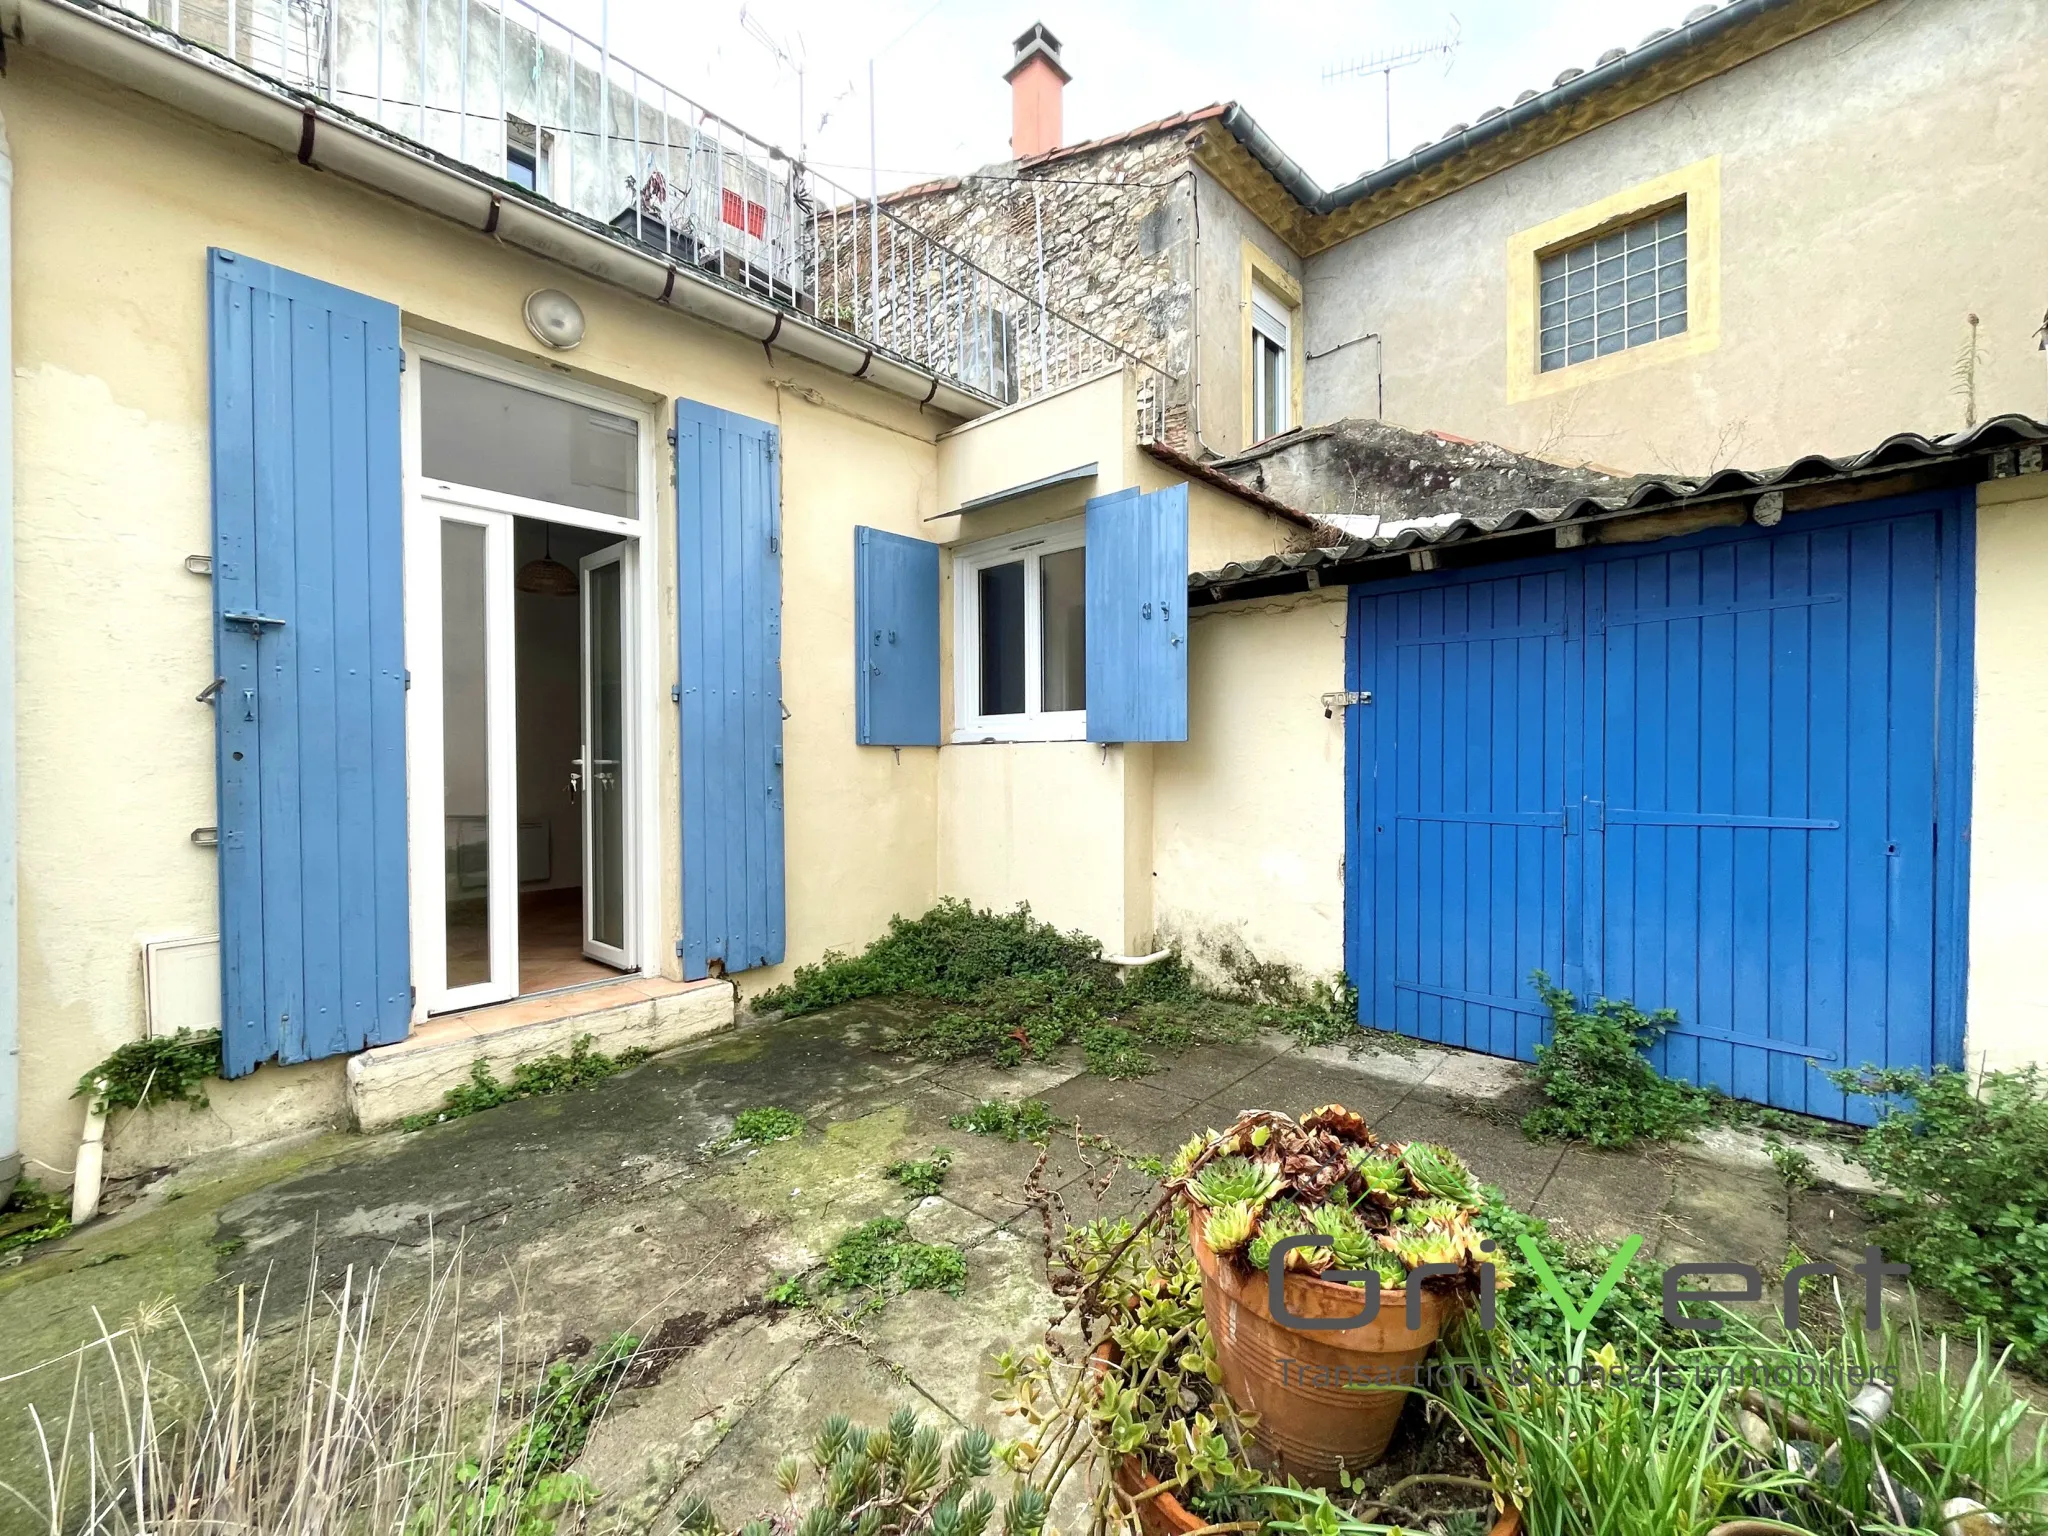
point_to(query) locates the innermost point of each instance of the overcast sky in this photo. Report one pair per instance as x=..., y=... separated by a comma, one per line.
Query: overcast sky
x=943, y=106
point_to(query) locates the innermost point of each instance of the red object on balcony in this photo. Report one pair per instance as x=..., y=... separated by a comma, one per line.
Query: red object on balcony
x=743, y=213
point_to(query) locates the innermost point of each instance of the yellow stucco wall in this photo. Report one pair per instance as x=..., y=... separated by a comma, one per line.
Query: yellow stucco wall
x=1248, y=812
x=2008, y=996
x=1072, y=827
x=116, y=202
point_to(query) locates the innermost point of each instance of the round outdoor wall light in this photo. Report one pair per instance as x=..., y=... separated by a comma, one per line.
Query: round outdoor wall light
x=555, y=319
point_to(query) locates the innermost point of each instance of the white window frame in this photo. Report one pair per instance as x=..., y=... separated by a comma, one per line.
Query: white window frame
x=1271, y=323
x=543, y=152
x=969, y=724
x=426, y=502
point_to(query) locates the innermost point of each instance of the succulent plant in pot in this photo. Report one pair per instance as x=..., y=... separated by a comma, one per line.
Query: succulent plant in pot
x=1325, y=1379
x=1138, y=1418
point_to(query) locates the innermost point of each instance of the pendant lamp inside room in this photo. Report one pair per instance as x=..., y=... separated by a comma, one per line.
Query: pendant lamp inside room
x=547, y=576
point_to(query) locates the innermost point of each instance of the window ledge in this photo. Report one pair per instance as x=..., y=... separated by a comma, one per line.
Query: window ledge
x=1041, y=728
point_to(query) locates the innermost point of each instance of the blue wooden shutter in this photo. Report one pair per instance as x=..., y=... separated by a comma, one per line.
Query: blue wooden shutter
x=896, y=639
x=729, y=623
x=308, y=584
x=1138, y=616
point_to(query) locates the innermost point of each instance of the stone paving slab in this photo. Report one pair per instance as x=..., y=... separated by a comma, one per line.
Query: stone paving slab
x=1603, y=1197
x=1295, y=1086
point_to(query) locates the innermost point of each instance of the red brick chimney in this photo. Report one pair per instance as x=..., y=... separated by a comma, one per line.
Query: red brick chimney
x=1035, y=81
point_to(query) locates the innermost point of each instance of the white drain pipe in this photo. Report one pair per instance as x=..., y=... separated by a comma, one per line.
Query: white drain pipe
x=10, y=918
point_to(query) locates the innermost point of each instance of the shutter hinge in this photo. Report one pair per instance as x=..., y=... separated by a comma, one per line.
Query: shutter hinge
x=413, y=995
x=675, y=693
x=671, y=437
x=679, y=949
x=408, y=679
x=401, y=359
x=774, y=544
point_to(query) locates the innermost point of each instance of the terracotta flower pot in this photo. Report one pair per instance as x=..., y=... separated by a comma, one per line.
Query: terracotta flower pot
x=1310, y=1422
x=1164, y=1515
x=1161, y=1514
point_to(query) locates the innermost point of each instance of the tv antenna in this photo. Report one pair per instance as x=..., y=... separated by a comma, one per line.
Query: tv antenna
x=789, y=54
x=1385, y=61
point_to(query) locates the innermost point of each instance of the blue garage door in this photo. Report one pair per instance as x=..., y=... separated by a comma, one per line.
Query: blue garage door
x=1711, y=775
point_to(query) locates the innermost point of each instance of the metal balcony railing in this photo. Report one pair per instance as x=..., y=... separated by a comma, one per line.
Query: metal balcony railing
x=508, y=90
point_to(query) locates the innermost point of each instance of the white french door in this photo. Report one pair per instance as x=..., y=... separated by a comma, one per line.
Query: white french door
x=605, y=764
x=463, y=751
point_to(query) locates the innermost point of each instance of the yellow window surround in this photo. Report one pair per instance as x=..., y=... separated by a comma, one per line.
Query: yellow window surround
x=1698, y=187
x=1269, y=274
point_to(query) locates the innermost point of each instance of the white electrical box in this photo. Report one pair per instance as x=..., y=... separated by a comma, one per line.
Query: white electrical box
x=180, y=985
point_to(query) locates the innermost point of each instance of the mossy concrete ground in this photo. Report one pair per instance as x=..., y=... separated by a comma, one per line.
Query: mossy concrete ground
x=613, y=1210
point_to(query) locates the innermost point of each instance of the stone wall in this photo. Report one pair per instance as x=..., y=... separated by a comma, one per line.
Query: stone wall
x=1115, y=226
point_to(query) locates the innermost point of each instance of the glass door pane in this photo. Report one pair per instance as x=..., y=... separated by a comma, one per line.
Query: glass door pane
x=465, y=751
x=606, y=878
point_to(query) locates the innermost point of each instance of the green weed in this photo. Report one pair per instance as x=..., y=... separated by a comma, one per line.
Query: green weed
x=1634, y=1309
x=581, y=1067
x=1028, y=1120
x=31, y=1215
x=758, y=1127
x=1008, y=989
x=1794, y=1166
x=923, y=1176
x=165, y=1069
x=1599, y=1085
x=1966, y=1171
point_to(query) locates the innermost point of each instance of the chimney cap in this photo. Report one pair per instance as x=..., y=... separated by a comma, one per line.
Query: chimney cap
x=1038, y=43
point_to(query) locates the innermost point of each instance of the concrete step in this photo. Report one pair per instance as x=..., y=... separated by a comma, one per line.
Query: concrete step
x=390, y=1082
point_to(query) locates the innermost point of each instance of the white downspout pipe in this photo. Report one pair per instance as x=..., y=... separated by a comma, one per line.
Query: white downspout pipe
x=10, y=924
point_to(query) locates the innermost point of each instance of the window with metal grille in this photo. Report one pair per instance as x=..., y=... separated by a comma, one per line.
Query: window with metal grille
x=1614, y=291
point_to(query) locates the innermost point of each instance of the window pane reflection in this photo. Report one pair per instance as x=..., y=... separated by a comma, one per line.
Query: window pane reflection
x=1002, y=639
x=1063, y=588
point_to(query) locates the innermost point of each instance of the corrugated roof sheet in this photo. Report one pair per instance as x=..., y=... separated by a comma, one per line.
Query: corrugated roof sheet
x=1903, y=450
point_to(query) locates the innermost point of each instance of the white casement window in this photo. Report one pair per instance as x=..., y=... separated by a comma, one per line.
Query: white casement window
x=1272, y=378
x=1021, y=647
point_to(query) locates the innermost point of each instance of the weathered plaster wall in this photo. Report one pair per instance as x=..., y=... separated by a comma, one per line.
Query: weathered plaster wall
x=1248, y=812
x=1223, y=385
x=2008, y=994
x=1869, y=178
x=117, y=202
x=1072, y=827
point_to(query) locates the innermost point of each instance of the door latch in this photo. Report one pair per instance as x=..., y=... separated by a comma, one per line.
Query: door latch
x=1344, y=699
x=253, y=622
